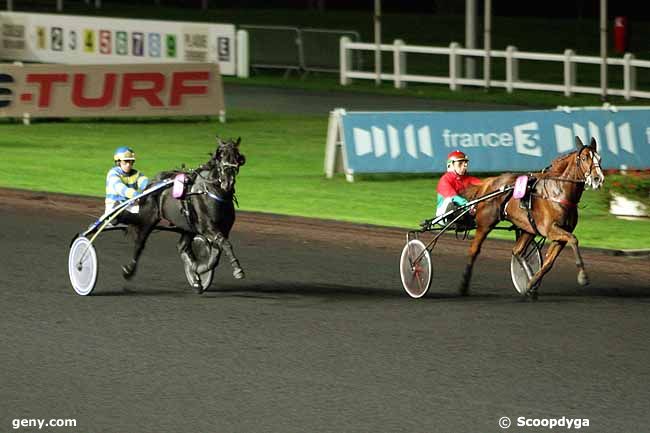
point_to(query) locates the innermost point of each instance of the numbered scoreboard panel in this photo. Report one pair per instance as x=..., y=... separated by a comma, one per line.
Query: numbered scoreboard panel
x=84, y=40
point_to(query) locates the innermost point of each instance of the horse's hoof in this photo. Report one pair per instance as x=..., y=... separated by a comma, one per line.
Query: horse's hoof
x=127, y=272
x=534, y=295
x=463, y=290
x=238, y=273
x=583, y=280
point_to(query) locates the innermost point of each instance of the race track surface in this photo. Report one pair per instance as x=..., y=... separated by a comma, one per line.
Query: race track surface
x=319, y=337
x=299, y=101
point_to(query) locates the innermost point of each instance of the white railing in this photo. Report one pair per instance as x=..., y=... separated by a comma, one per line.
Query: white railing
x=511, y=55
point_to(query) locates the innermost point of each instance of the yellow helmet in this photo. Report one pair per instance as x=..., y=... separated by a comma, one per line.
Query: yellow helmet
x=124, y=154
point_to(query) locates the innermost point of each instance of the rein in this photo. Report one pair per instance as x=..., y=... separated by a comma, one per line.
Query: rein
x=578, y=181
x=214, y=181
x=563, y=179
x=212, y=195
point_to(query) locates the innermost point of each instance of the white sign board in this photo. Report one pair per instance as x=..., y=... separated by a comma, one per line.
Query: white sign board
x=49, y=38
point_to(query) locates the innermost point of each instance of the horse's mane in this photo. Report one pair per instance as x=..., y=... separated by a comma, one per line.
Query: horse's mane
x=228, y=145
x=171, y=173
x=557, y=161
x=488, y=184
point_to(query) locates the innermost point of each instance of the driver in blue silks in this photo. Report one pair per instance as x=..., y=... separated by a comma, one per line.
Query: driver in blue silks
x=123, y=182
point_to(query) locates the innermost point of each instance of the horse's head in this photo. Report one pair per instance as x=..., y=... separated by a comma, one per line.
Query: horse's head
x=226, y=161
x=588, y=164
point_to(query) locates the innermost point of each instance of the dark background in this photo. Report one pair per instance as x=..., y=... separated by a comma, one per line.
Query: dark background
x=506, y=8
x=549, y=8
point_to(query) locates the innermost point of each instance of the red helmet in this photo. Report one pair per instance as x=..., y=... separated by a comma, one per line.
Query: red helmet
x=456, y=155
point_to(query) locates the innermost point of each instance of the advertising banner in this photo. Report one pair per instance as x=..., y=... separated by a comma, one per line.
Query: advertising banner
x=496, y=141
x=110, y=90
x=49, y=38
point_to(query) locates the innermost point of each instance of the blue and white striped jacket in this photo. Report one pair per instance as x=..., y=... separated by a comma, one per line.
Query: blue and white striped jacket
x=121, y=186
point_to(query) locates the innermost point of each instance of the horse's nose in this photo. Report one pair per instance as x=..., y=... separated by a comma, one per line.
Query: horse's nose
x=599, y=180
x=226, y=184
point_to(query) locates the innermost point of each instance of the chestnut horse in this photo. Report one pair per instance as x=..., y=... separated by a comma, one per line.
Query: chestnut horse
x=553, y=211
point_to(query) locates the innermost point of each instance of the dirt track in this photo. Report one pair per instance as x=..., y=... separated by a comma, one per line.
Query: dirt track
x=319, y=337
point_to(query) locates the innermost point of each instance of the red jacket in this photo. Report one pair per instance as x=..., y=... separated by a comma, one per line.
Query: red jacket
x=452, y=184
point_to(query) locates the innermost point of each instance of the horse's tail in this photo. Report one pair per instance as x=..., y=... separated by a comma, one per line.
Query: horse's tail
x=149, y=212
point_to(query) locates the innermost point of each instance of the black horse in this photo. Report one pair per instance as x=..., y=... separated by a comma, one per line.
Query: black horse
x=206, y=209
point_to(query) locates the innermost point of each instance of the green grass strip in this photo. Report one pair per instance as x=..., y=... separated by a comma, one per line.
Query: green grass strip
x=283, y=174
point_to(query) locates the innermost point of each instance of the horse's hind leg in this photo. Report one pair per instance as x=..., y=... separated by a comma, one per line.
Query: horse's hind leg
x=523, y=240
x=224, y=245
x=141, y=234
x=184, y=248
x=474, y=250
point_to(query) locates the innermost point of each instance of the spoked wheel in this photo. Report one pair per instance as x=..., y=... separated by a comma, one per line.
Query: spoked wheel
x=201, y=250
x=82, y=266
x=415, y=268
x=532, y=256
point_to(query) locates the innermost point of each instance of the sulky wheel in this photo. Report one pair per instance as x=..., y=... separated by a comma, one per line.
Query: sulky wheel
x=201, y=250
x=533, y=258
x=415, y=268
x=82, y=266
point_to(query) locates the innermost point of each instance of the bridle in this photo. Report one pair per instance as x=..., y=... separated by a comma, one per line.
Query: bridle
x=220, y=168
x=584, y=176
x=225, y=165
x=595, y=163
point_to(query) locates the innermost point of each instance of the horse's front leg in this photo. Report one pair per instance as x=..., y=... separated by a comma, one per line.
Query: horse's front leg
x=224, y=245
x=213, y=260
x=559, y=234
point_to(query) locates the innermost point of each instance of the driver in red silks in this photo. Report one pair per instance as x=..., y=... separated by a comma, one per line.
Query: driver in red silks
x=453, y=183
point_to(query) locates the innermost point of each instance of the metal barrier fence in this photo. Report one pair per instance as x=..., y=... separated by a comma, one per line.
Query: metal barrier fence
x=274, y=47
x=511, y=55
x=300, y=49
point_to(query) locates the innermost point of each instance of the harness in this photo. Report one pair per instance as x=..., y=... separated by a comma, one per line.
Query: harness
x=564, y=202
x=211, y=194
x=527, y=201
x=188, y=190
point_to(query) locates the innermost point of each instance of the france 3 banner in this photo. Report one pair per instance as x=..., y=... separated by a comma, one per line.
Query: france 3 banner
x=496, y=141
x=49, y=38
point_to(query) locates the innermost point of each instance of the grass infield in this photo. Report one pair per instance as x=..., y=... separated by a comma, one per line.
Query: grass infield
x=283, y=173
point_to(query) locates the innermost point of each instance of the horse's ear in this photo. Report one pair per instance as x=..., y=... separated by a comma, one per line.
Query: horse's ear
x=579, y=144
x=238, y=141
x=593, y=146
